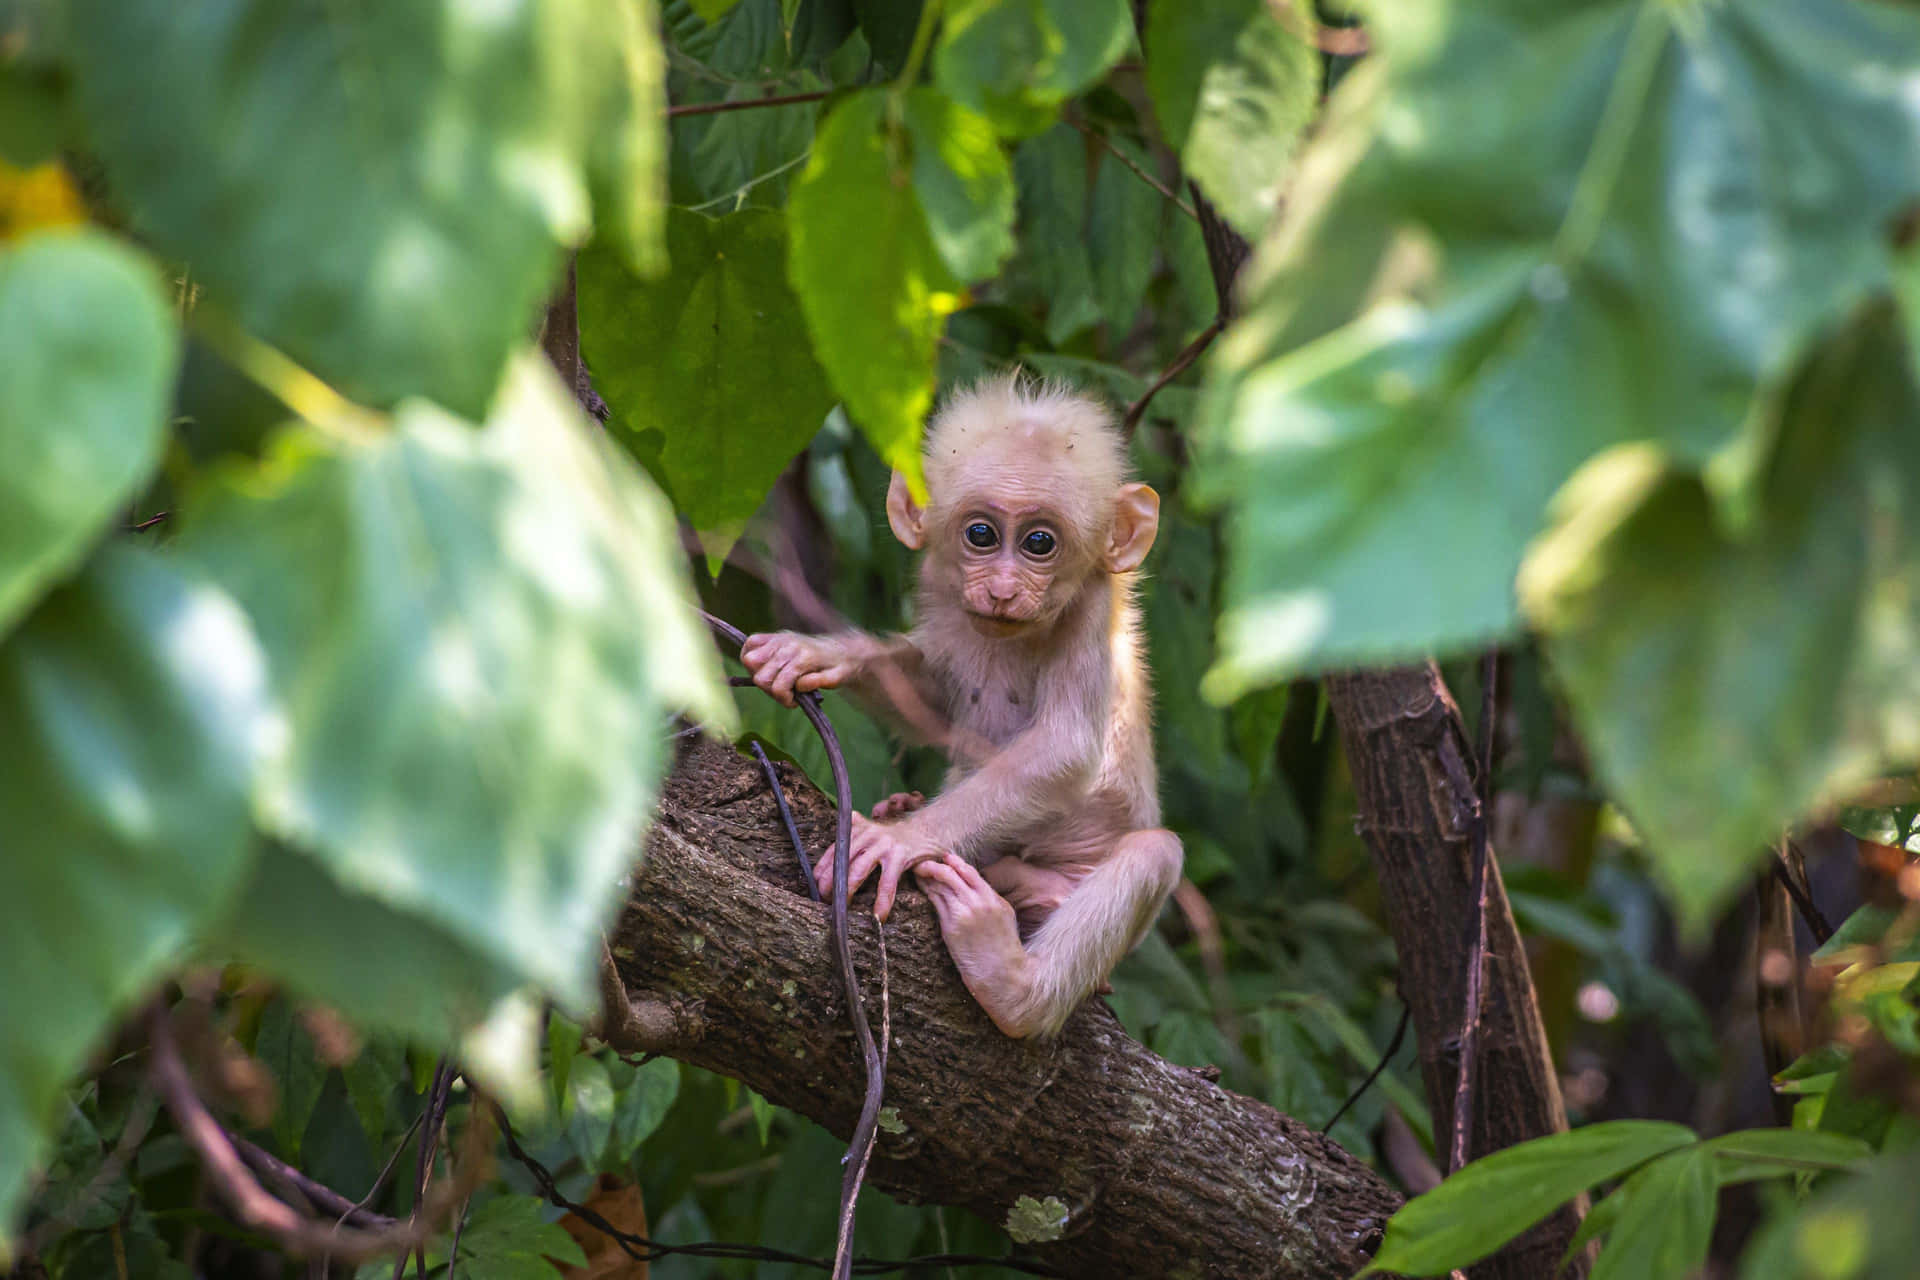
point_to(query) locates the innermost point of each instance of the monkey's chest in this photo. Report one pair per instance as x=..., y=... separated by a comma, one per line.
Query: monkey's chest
x=994, y=711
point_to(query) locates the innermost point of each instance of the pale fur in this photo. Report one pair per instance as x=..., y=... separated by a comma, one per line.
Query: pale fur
x=1050, y=730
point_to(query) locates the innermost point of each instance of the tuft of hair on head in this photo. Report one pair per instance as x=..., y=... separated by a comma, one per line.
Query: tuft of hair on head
x=1065, y=441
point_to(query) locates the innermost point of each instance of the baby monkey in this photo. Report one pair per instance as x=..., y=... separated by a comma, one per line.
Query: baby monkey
x=1026, y=652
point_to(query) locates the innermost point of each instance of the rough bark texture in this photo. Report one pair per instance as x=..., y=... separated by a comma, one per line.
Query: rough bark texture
x=1413, y=777
x=1156, y=1172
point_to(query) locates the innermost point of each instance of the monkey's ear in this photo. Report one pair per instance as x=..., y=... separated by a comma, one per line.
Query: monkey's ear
x=1136, y=522
x=905, y=515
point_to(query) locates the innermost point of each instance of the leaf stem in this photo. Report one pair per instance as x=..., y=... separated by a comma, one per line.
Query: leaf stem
x=917, y=52
x=1593, y=189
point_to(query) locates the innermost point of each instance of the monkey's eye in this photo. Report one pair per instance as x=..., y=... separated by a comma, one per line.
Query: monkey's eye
x=981, y=535
x=1038, y=543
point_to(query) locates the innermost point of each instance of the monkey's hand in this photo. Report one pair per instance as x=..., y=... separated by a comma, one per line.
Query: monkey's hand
x=893, y=847
x=785, y=663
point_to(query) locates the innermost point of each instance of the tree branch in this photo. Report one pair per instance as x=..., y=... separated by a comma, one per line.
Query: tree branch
x=1145, y=1168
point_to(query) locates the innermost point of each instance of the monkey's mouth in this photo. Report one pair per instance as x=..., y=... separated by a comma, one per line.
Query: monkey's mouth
x=989, y=625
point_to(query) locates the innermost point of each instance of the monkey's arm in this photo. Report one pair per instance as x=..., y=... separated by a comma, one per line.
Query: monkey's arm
x=888, y=674
x=1042, y=772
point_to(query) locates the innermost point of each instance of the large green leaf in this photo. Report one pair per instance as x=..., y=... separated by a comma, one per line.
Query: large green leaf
x=1726, y=685
x=1052, y=174
x=1497, y=1197
x=872, y=282
x=1861, y=1228
x=134, y=700
x=1016, y=61
x=1233, y=88
x=477, y=635
x=381, y=190
x=1123, y=230
x=1635, y=237
x=964, y=184
x=87, y=356
x=712, y=360
x=1666, y=1224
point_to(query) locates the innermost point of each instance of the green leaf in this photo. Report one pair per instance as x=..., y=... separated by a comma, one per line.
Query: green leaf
x=477, y=635
x=383, y=191
x=1861, y=1228
x=135, y=703
x=87, y=357
x=564, y=1044
x=762, y=1115
x=643, y=1102
x=1233, y=89
x=1667, y=1224
x=1576, y=263
x=1122, y=232
x=875, y=315
x=712, y=358
x=1051, y=171
x=889, y=26
x=963, y=182
x=1767, y=1153
x=1692, y=655
x=1497, y=1197
x=286, y=1050
x=372, y=1078
x=713, y=10
x=1016, y=61
x=506, y=1239
x=588, y=1110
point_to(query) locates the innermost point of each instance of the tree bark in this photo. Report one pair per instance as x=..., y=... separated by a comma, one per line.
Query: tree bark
x=1413, y=777
x=1144, y=1168
x=1412, y=771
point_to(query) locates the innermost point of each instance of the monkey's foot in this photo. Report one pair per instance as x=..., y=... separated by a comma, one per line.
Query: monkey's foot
x=983, y=936
x=898, y=803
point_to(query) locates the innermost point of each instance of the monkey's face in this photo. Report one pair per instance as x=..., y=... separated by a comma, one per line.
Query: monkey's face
x=1016, y=566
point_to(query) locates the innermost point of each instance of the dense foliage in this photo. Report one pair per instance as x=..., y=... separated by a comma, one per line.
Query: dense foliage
x=339, y=647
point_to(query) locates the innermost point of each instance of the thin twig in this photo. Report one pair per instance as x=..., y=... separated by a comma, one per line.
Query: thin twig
x=809, y=704
x=1379, y=1069
x=1817, y=923
x=423, y=1166
x=1477, y=951
x=786, y=820
x=642, y=1249
x=251, y=1203
x=1140, y=171
x=742, y=104
x=323, y=1197
x=1180, y=364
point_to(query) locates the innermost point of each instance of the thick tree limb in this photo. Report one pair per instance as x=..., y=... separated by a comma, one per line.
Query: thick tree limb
x=1150, y=1170
x=1413, y=776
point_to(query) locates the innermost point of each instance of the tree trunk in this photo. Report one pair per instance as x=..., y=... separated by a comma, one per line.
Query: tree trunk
x=1110, y=1160
x=1413, y=778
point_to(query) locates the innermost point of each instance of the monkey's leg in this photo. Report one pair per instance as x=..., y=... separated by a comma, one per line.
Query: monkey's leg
x=1105, y=916
x=1031, y=990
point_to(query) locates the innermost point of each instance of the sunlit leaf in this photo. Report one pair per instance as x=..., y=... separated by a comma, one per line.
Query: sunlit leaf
x=135, y=704
x=712, y=357
x=875, y=314
x=1233, y=88
x=478, y=635
x=1636, y=237
x=381, y=190
x=1016, y=61
x=87, y=358
x=964, y=184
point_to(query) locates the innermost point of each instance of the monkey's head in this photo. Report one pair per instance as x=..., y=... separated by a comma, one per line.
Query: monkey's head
x=1027, y=500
